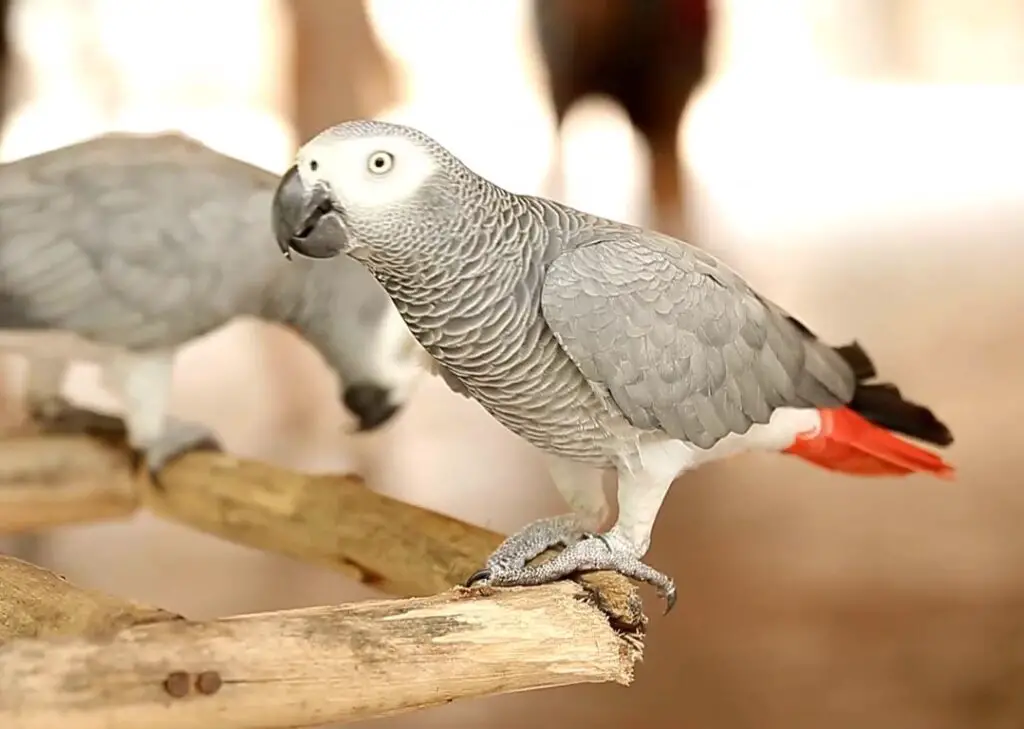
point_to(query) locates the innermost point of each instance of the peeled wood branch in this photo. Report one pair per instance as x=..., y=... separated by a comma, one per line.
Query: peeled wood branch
x=36, y=603
x=331, y=520
x=314, y=666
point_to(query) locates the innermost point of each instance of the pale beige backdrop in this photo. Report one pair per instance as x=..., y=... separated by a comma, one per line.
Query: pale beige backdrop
x=834, y=162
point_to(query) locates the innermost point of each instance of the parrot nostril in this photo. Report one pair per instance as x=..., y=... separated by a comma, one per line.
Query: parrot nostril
x=370, y=404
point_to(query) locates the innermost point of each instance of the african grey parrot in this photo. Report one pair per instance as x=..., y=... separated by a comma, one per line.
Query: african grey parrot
x=120, y=249
x=603, y=344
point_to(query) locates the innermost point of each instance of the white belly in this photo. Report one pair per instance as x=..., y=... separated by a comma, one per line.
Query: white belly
x=676, y=456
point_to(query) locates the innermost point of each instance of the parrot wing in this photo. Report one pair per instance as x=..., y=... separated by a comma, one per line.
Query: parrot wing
x=125, y=240
x=680, y=342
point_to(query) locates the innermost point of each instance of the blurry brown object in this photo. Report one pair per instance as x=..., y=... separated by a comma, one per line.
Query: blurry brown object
x=647, y=55
x=146, y=667
x=341, y=71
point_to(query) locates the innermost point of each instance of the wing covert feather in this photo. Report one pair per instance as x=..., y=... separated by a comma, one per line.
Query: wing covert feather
x=128, y=240
x=680, y=342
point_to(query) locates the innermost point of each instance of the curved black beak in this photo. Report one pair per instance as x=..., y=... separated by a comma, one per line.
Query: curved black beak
x=300, y=215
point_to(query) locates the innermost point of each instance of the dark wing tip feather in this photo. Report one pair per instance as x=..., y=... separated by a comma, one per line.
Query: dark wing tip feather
x=883, y=405
x=855, y=356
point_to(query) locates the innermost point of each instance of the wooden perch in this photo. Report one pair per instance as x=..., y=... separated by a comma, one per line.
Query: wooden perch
x=329, y=520
x=36, y=603
x=310, y=666
x=49, y=481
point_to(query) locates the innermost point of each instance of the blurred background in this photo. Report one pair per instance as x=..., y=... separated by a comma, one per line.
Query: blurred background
x=860, y=161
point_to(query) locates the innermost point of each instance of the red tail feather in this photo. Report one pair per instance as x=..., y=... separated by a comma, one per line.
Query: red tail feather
x=850, y=444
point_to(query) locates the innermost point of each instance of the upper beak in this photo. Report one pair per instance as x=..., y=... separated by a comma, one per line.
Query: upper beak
x=300, y=214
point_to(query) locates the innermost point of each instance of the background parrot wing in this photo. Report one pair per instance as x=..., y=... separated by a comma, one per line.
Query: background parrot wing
x=122, y=239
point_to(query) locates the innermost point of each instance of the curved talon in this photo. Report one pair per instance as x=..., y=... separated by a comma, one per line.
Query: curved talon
x=138, y=458
x=481, y=574
x=670, y=599
x=602, y=537
x=154, y=477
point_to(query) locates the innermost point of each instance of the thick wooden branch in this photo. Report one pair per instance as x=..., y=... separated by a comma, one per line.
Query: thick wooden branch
x=36, y=603
x=329, y=520
x=314, y=666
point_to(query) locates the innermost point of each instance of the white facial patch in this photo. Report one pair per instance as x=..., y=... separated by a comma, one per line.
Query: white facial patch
x=352, y=169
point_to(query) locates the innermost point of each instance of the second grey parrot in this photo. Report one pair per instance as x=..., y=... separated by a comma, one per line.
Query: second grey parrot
x=120, y=249
x=605, y=345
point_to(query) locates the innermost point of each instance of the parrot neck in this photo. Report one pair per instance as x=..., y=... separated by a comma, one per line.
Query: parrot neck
x=469, y=288
x=446, y=256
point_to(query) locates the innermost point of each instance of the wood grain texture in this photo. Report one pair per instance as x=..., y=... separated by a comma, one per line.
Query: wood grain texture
x=316, y=665
x=36, y=603
x=331, y=520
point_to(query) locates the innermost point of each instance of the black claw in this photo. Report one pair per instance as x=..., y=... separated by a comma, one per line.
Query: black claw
x=154, y=477
x=484, y=574
x=602, y=537
x=670, y=599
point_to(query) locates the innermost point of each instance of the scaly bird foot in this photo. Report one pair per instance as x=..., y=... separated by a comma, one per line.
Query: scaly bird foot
x=608, y=551
x=524, y=545
x=178, y=438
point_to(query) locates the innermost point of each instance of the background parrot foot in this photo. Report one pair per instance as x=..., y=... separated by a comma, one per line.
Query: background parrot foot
x=518, y=549
x=178, y=438
x=59, y=416
x=608, y=551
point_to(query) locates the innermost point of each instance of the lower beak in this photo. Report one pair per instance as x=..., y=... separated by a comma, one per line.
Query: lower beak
x=305, y=220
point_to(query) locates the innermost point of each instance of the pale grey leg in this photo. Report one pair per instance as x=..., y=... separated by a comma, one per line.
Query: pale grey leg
x=641, y=494
x=581, y=487
x=144, y=383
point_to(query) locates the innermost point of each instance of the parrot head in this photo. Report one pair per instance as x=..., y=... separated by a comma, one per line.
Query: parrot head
x=370, y=190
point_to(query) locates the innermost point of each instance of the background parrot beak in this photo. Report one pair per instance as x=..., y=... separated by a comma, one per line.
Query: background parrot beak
x=304, y=219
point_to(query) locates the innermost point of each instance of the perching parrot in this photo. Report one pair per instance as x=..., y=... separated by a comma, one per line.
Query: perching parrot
x=120, y=249
x=605, y=345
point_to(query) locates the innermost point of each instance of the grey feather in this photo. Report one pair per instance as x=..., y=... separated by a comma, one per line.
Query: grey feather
x=132, y=241
x=680, y=342
x=146, y=242
x=572, y=330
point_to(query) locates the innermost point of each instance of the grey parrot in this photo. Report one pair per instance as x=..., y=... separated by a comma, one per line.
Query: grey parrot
x=120, y=249
x=605, y=345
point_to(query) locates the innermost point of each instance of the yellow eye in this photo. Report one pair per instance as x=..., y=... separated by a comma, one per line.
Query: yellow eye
x=380, y=163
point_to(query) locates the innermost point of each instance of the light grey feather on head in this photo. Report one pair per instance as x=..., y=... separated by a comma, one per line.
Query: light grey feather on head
x=406, y=202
